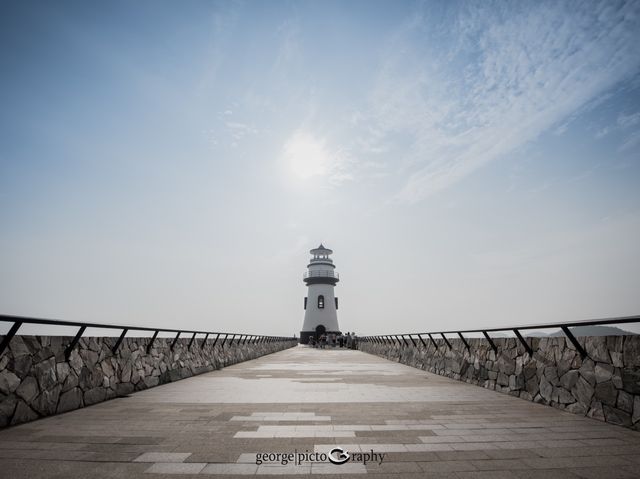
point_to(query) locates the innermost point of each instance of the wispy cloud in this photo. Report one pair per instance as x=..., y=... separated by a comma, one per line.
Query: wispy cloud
x=451, y=99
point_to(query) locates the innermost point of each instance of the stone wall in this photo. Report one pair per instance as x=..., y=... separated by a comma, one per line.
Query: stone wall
x=37, y=381
x=605, y=385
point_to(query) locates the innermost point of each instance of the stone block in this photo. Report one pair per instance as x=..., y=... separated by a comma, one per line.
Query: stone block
x=636, y=409
x=62, y=371
x=151, y=381
x=595, y=411
x=94, y=396
x=47, y=401
x=7, y=408
x=529, y=370
x=546, y=389
x=631, y=351
x=124, y=389
x=565, y=363
x=596, y=348
x=89, y=357
x=569, y=379
x=533, y=386
x=603, y=372
x=577, y=408
x=28, y=389
x=551, y=375
x=107, y=368
x=606, y=393
x=71, y=382
x=587, y=371
x=22, y=365
x=631, y=380
x=9, y=382
x=70, y=400
x=19, y=347
x=616, y=416
x=75, y=361
x=625, y=402
x=583, y=391
x=45, y=373
x=563, y=396
x=23, y=413
x=516, y=382
x=506, y=365
x=616, y=359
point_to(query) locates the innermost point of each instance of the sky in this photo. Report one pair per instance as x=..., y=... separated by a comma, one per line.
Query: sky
x=171, y=164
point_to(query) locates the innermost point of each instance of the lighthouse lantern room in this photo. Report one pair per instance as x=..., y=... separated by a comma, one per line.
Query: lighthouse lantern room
x=320, y=305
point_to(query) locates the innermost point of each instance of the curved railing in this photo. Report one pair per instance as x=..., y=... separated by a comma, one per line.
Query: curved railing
x=564, y=326
x=18, y=321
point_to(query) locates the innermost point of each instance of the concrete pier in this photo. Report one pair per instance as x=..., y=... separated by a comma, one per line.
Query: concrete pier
x=408, y=422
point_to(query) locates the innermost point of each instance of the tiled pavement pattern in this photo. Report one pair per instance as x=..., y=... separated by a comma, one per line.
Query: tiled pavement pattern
x=311, y=400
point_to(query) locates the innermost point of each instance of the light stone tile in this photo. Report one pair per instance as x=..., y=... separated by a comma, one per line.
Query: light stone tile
x=440, y=439
x=230, y=468
x=347, y=468
x=473, y=446
x=428, y=447
x=383, y=447
x=162, y=457
x=247, y=458
x=325, y=448
x=176, y=468
x=279, y=469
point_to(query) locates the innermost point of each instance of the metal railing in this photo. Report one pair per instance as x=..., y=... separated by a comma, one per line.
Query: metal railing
x=321, y=274
x=18, y=321
x=564, y=326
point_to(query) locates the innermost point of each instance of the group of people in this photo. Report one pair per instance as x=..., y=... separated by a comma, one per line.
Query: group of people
x=349, y=340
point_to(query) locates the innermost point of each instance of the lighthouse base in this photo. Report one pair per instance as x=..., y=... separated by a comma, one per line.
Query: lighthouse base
x=305, y=335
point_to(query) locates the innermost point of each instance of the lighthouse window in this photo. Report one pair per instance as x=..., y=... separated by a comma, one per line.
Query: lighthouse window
x=305, y=303
x=320, y=302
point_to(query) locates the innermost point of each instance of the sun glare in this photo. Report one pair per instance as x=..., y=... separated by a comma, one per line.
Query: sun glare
x=306, y=157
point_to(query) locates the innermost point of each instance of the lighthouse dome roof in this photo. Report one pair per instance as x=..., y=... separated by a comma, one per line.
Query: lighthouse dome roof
x=321, y=250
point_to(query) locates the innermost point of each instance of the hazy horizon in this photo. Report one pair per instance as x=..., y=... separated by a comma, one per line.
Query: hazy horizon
x=171, y=164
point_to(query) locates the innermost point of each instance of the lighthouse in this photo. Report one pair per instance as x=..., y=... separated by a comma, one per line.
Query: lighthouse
x=320, y=304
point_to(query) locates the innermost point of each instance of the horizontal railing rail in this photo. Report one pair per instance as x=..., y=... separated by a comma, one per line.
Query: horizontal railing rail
x=401, y=339
x=240, y=338
x=321, y=274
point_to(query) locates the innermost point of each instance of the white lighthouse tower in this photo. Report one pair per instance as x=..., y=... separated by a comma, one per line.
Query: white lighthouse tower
x=320, y=305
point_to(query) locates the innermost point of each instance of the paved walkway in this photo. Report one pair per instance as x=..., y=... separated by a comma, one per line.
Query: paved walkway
x=402, y=421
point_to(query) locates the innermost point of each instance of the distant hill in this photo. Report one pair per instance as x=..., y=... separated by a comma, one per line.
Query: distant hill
x=586, y=331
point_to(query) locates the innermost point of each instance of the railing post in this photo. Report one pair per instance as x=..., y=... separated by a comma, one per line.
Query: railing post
x=114, y=350
x=422, y=340
x=433, y=341
x=191, y=342
x=574, y=341
x=466, y=345
x=12, y=332
x=491, y=343
x=524, y=343
x=67, y=352
x=446, y=340
x=204, y=341
x=412, y=340
x=153, y=338
x=215, y=341
x=174, y=341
